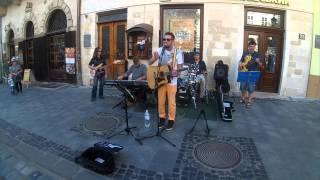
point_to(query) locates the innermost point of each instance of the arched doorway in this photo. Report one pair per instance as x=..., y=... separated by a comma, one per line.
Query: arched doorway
x=28, y=55
x=11, y=46
x=56, y=38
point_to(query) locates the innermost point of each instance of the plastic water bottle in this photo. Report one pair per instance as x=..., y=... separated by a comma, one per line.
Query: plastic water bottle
x=147, y=119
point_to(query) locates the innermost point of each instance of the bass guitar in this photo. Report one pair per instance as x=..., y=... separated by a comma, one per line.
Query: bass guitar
x=159, y=75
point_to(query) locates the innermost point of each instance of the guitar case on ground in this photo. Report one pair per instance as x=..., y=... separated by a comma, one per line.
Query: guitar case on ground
x=99, y=158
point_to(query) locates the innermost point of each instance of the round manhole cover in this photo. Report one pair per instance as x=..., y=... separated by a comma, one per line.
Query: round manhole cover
x=102, y=122
x=217, y=155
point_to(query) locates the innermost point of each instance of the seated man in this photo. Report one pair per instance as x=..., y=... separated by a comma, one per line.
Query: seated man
x=200, y=68
x=139, y=72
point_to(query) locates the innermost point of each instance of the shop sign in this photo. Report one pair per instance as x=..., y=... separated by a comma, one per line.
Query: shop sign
x=70, y=54
x=184, y=33
x=277, y=2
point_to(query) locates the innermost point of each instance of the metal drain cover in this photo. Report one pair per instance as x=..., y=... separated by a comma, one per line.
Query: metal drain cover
x=217, y=155
x=102, y=122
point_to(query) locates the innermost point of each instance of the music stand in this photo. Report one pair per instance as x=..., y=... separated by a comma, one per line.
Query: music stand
x=126, y=96
x=158, y=133
x=250, y=76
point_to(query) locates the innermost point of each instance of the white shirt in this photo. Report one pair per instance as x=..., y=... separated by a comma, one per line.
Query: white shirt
x=167, y=59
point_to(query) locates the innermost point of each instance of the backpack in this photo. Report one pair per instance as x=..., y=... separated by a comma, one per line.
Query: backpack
x=220, y=72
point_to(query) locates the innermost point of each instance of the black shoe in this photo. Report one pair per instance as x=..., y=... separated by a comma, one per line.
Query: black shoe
x=93, y=99
x=170, y=125
x=161, y=123
x=101, y=97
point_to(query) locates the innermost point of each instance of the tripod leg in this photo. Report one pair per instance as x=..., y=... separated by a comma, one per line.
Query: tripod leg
x=205, y=118
x=195, y=123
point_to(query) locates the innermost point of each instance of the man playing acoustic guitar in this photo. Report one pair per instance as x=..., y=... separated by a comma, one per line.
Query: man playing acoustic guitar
x=168, y=55
x=250, y=61
x=96, y=66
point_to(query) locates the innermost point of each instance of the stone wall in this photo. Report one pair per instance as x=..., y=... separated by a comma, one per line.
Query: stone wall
x=223, y=38
x=297, y=54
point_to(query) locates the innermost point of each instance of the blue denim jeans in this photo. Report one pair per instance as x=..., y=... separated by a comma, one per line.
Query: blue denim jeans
x=97, y=81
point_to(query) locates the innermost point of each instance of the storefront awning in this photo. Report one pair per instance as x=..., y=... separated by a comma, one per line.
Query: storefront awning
x=141, y=27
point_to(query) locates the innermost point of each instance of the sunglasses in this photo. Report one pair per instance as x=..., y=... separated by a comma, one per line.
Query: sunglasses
x=100, y=51
x=164, y=39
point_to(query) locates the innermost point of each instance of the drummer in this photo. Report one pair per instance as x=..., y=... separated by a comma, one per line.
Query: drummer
x=199, y=67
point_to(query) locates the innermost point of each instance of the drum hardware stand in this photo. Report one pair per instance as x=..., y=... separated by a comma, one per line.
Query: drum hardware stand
x=158, y=133
x=126, y=95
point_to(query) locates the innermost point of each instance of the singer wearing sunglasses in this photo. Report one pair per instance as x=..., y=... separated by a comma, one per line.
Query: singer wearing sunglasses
x=168, y=55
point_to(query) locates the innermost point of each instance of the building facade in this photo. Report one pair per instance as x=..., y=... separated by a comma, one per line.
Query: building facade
x=42, y=33
x=314, y=78
x=218, y=29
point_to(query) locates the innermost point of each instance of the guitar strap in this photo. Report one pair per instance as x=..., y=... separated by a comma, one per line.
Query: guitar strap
x=161, y=55
x=174, y=60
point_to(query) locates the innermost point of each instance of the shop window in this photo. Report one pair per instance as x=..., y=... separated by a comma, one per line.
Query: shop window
x=186, y=23
x=56, y=53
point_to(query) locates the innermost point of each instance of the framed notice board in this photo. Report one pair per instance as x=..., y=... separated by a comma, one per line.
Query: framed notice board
x=26, y=75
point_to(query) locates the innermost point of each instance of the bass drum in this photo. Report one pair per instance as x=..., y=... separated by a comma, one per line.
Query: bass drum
x=183, y=95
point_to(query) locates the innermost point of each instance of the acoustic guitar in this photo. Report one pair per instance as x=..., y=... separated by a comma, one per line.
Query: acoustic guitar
x=162, y=77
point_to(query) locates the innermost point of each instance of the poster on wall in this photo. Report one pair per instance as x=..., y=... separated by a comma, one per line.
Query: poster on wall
x=70, y=54
x=184, y=33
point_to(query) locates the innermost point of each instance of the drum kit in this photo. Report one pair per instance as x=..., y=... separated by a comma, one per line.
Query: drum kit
x=188, y=87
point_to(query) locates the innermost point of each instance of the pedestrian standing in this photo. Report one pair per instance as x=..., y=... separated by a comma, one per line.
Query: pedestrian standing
x=15, y=71
x=96, y=66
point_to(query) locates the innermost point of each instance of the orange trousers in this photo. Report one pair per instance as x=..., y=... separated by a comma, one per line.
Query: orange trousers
x=167, y=90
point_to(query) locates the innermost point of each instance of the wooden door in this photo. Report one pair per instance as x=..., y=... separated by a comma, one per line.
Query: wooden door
x=112, y=40
x=269, y=46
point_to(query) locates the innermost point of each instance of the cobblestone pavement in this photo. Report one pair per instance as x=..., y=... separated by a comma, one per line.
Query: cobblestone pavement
x=41, y=134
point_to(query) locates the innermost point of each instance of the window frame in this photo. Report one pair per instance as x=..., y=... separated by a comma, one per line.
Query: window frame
x=178, y=6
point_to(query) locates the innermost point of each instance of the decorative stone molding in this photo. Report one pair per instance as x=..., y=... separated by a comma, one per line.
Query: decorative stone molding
x=17, y=2
x=3, y=11
x=8, y=27
x=59, y=4
x=30, y=17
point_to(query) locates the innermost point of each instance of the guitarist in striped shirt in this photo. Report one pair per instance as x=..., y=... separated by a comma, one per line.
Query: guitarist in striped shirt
x=171, y=56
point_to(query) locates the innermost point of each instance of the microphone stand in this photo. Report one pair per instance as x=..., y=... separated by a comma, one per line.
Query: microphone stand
x=158, y=133
x=126, y=95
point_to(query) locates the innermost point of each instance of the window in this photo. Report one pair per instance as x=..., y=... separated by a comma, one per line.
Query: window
x=266, y=18
x=29, y=30
x=28, y=60
x=186, y=23
x=57, y=21
x=11, y=44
